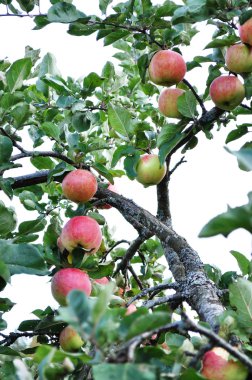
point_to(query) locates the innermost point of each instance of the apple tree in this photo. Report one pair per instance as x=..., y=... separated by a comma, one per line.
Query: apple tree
x=123, y=313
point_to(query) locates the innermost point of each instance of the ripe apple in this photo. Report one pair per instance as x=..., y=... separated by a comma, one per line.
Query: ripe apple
x=81, y=231
x=168, y=102
x=131, y=309
x=218, y=366
x=227, y=92
x=68, y=279
x=70, y=340
x=166, y=68
x=149, y=170
x=79, y=185
x=245, y=32
x=239, y=58
x=102, y=281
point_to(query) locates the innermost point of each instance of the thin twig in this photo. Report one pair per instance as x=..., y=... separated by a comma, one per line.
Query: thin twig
x=146, y=291
x=136, y=278
x=198, y=98
x=161, y=300
x=113, y=247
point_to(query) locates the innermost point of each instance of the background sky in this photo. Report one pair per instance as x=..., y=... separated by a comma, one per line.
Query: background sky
x=199, y=189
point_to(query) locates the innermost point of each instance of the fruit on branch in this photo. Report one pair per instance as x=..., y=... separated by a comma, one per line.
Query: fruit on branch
x=81, y=231
x=168, y=102
x=68, y=279
x=70, y=340
x=239, y=58
x=149, y=170
x=167, y=67
x=60, y=245
x=106, y=206
x=245, y=32
x=218, y=366
x=102, y=281
x=79, y=185
x=131, y=309
x=227, y=92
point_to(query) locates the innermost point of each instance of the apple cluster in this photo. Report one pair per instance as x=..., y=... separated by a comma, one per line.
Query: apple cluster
x=83, y=232
x=227, y=91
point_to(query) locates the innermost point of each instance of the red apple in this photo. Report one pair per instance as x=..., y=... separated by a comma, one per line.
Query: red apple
x=218, y=366
x=245, y=32
x=102, y=281
x=131, y=309
x=167, y=67
x=149, y=170
x=168, y=102
x=79, y=185
x=68, y=279
x=111, y=188
x=227, y=92
x=70, y=340
x=239, y=58
x=81, y=231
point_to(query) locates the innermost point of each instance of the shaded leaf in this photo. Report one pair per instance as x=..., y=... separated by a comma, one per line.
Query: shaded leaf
x=240, y=294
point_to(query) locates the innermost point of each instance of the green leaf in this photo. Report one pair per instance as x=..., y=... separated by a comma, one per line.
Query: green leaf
x=4, y=275
x=124, y=372
x=32, y=226
x=64, y=12
x=240, y=294
x=148, y=323
x=244, y=157
x=90, y=83
x=187, y=104
x=6, y=149
x=130, y=164
x=228, y=41
x=6, y=304
x=143, y=63
x=8, y=351
x=8, y=219
x=191, y=374
x=22, y=258
x=47, y=66
x=98, y=217
x=20, y=114
x=81, y=122
x=103, y=4
x=101, y=303
x=120, y=120
x=57, y=83
x=168, y=138
x=6, y=186
x=43, y=163
x=234, y=218
x=115, y=36
x=240, y=131
x=121, y=151
x=242, y=261
x=50, y=129
x=17, y=73
x=245, y=16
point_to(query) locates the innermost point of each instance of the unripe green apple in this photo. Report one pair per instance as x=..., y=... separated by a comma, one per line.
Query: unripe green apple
x=168, y=102
x=239, y=58
x=68, y=279
x=79, y=185
x=167, y=67
x=227, y=92
x=218, y=366
x=149, y=170
x=245, y=32
x=70, y=340
x=81, y=231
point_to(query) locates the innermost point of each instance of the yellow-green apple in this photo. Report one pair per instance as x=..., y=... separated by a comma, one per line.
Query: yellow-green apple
x=218, y=366
x=102, y=281
x=149, y=170
x=70, y=340
x=79, y=185
x=81, y=231
x=167, y=67
x=239, y=58
x=68, y=279
x=245, y=32
x=227, y=92
x=131, y=309
x=168, y=102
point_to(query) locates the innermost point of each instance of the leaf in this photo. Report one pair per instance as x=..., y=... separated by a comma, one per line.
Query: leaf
x=228, y=41
x=191, y=374
x=8, y=351
x=6, y=304
x=169, y=137
x=103, y=4
x=187, y=104
x=90, y=83
x=130, y=164
x=240, y=131
x=124, y=372
x=22, y=258
x=147, y=323
x=121, y=151
x=57, y=83
x=114, y=36
x=8, y=219
x=120, y=120
x=50, y=129
x=17, y=73
x=240, y=294
x=234, y=218
x=32, y=226
x=245, y=16
x=143, y=63
x=6, y=149
x=80, y=122
x=43, y=163
x=64, y=12
x=101, y=303
x=47, y=66
x=242, y=261
x=4, y=274
x=244, y=158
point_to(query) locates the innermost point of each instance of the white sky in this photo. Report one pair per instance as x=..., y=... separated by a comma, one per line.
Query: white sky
x=200, y=189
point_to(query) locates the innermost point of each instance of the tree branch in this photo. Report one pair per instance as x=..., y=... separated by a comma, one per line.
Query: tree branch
x=156, y=288
x=166, y=299
x=198, y=98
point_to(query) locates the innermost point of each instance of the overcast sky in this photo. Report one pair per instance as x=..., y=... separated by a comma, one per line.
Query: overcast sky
x=200, y=189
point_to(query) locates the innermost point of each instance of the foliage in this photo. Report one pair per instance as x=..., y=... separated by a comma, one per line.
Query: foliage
x=104, y=122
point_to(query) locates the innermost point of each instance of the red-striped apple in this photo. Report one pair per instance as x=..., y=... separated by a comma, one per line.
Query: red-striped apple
x=168, y=102
x=79, y=185
x=227, y=92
